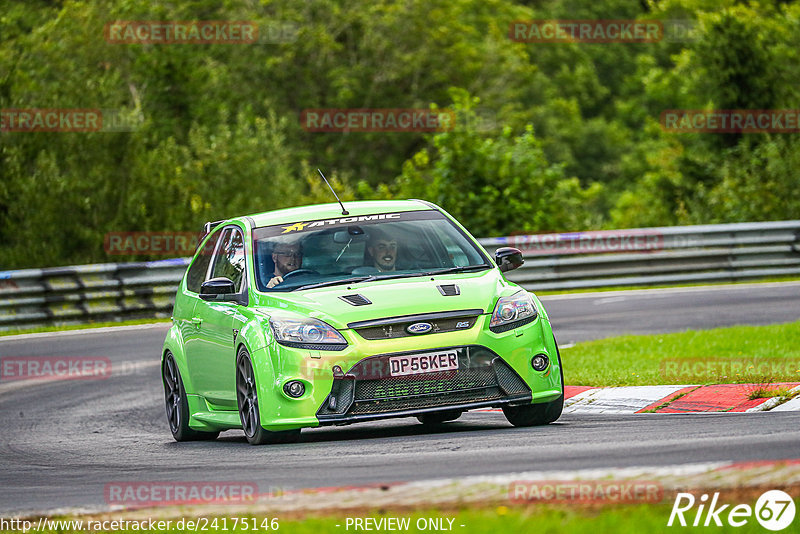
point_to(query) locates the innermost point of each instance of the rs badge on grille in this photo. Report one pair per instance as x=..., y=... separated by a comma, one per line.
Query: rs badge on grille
x=419, y=328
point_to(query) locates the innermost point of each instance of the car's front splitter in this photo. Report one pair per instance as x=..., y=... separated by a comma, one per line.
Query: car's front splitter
x=373, y=389
x=326, y=420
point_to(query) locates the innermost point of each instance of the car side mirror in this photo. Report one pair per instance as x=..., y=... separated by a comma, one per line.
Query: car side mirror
x=508, y=258
x=219, y=289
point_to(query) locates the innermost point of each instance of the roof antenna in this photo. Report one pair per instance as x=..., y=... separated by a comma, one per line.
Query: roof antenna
x=344, y=211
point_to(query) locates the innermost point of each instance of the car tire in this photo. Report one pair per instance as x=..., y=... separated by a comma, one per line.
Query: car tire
x=437, y=418
x=247, y=400
x=538, y=414
x=177, y=406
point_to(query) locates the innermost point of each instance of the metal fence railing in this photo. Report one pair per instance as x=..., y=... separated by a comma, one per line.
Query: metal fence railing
x=643, y=256
x=84, y=293
x=654, y=256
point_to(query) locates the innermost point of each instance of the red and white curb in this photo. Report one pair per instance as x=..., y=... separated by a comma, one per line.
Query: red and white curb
x=791, y=406
x=734, y=398
x=678, y=399
x=618, y=399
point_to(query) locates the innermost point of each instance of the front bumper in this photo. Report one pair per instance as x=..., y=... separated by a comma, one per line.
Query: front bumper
x=369, y=391
x=277, y=364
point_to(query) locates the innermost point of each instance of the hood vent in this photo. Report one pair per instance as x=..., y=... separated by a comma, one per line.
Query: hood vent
x=448, y=290
x=356, y=300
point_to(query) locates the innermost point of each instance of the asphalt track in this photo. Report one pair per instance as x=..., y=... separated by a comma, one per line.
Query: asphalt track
x=63, y=441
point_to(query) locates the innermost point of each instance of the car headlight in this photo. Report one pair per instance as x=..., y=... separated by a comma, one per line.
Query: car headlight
x=306, y=333
x=511, y=312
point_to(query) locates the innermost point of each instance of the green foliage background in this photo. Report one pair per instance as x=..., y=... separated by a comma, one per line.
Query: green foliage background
x=550, y=137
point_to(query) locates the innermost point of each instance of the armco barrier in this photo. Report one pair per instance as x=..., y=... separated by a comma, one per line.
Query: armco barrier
x=674, y=254
x=643, y=256
x=75, y=295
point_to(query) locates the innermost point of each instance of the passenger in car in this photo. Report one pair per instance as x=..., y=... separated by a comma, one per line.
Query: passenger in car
x=381, y=251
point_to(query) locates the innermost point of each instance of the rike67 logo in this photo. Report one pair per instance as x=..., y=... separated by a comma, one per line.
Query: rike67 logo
x=774, y=510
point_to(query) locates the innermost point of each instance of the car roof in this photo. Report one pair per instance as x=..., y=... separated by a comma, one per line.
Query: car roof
x=334, y=211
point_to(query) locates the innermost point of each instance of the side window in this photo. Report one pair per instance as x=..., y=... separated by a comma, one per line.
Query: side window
x=229, y=261
x=197, y=272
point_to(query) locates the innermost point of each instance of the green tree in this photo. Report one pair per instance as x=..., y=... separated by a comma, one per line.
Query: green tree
x=496, y=185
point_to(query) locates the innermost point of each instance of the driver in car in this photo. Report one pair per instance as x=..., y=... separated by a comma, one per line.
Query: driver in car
x=287, y=257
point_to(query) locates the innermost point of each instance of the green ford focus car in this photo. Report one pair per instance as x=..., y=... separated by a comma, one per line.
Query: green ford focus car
x=318, y=315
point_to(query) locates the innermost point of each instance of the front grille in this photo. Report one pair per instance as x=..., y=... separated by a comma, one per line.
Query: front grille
x=393, y=331
x=395, y=327
x=369, y=388
x=434, y=383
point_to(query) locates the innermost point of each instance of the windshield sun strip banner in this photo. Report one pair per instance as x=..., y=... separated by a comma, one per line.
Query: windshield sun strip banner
x=361, y=220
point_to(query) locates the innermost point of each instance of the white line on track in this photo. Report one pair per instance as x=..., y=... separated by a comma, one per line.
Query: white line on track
x=665, y=290
x=83, y=331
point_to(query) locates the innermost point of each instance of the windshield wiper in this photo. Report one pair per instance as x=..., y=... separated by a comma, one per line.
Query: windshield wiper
x=372, y=277
x=337, y=282
x=464, y=269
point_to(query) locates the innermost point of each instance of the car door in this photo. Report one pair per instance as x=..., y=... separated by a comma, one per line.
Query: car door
x=183, y=315
x=212, y=358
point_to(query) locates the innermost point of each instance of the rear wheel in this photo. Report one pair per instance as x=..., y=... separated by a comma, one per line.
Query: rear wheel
x=247, y=398
x=178, y=406
x=437, y=418
x=538, y=414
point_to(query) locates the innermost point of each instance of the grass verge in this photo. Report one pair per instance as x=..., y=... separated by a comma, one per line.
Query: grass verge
x=734, y=355
x=666, y=286
x=619, y=519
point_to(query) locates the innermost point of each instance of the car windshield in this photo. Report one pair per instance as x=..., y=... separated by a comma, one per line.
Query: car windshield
x=325, y=252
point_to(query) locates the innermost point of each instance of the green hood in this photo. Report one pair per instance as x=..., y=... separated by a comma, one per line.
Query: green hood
x=391, y=298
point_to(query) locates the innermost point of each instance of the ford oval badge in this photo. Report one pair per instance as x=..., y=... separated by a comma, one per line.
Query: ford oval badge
x=419, y=328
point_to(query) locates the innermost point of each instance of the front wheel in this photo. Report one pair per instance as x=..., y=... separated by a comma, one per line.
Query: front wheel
x=534, y=414
x=538, y=414
x=247, y=399
x=178, y=406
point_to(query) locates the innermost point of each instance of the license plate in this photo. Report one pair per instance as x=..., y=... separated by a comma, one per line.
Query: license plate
x=430, y=362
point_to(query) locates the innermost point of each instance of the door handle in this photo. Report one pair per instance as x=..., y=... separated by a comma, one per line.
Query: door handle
x=196, y=322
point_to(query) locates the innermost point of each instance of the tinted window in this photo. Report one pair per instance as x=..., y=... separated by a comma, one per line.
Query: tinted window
x=197, y=271
x=229, y=261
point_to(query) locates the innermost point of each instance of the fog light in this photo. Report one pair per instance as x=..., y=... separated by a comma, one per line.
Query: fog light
x=294, y=389
x=539, y=362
